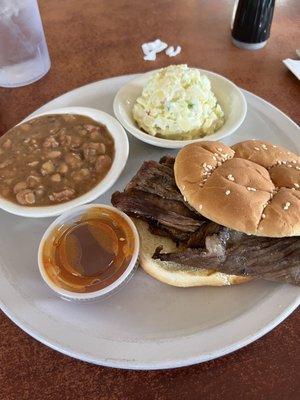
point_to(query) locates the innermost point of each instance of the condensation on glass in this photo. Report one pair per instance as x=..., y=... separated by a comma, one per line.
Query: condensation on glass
x=24, y=54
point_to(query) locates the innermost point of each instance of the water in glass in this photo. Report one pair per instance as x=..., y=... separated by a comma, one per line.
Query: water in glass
x=24, y=54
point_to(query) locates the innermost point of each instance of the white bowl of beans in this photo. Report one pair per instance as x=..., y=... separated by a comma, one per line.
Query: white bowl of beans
x=60, y=159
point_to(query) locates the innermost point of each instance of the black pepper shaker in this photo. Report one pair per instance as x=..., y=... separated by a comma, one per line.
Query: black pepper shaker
x=252, y=23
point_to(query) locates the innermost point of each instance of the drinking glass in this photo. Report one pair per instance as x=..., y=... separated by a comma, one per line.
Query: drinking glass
x=24, y=54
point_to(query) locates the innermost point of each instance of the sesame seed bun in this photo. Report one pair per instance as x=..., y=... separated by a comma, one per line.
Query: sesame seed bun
x=252, y=187
x=175, y=274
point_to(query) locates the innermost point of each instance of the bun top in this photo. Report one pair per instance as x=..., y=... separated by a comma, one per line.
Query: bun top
x=252, y=187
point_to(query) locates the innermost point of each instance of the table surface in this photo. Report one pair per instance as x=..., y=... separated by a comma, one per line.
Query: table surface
x=90, y=40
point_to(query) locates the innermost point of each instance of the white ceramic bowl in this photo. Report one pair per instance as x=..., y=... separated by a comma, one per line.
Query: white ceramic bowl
x=119, y=162
x=229, y=96
x=70, y=217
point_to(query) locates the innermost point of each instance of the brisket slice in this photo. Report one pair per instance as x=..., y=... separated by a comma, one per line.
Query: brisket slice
x=169, y=216
x=153, y=196
x=275, y=259
x=157, y=179
x=168, y=161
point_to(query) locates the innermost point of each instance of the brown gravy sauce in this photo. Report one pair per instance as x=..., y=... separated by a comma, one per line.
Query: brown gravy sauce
x=90, y=253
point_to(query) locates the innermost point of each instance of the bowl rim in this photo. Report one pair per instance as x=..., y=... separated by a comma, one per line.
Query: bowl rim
x=120, y=159
x=63, y=218
x=118, y=107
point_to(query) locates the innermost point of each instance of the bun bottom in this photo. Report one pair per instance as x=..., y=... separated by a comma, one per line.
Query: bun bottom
x=176, y=274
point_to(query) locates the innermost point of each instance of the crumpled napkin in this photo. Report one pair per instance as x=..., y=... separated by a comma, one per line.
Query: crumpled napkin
x=293, y=66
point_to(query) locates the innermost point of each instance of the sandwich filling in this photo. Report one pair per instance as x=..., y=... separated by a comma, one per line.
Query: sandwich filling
x=153, y=196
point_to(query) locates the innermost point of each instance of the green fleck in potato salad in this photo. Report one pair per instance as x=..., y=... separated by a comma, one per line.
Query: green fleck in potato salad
x=178, y=103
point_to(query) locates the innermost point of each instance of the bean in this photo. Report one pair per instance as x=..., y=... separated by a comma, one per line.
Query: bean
x=25, y=197
x=90, y=128
x=25, y=127
x=7, y=144
x=20, y=186
x=64, y=195
x=65, y=139
x=95, y=135
x=82, y=132
x=63, y=168
x=56, y=178
x=103, y=162
x=33, y=164
x=54, y=154
x=40, y=191
x=33, y=181
x=92, y=149
x=68, y=117
x=5, y=163
x=47, y=168
x=73, y=160
x=50, y=142
x=76, y=142
x=5, y=192
x=80, y=175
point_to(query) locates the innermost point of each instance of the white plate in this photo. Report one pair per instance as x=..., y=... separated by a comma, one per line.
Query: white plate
x=229, y=96
x=148, y=325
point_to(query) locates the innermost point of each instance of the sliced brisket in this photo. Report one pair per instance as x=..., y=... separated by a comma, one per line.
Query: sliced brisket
x=152, y=195
x=158, y=179
x=168, y=215
x=275, y=259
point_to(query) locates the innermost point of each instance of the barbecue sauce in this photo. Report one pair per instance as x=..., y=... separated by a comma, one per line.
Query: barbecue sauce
x=91, y=253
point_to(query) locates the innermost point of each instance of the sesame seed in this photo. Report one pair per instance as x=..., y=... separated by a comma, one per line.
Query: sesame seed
x=214, y=158
x=227, y=192
x=264, y=147
x=122, y=239
x=274, y=146
x=251, y=189
x=294, y=161
x=293, y=188
x=204, y=165
x=283, y=162
x=279, y=162
x=286, y=206
x=219, y=163
x=296, y=185
x=230, y=177
x=256, y=148
x=200, y=206
x=184, y=198
x=263, y=216
x=289, y=166
x=288, y=152
x=220, y=149
x=298, y=168
x=209, y=166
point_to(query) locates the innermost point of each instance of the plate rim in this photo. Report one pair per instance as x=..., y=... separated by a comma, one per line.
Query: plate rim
x=132, y=364
x=147, y=366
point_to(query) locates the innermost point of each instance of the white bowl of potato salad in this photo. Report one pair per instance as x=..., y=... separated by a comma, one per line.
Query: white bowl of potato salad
x=177, y=105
